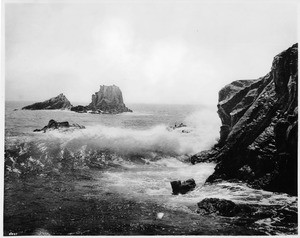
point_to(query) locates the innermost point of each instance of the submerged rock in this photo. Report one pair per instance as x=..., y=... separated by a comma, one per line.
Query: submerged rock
x=217, y=206
x=245, y=214
x=59, y=102
x=183, y=187
x=52, y=124
x=108, y=99
x=179, y=126
x=258, y=136
x=252, y=212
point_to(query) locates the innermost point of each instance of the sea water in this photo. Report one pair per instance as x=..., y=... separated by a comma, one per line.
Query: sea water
x=113, y=177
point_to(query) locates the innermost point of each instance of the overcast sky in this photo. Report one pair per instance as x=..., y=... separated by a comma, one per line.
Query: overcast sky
x=155, y=51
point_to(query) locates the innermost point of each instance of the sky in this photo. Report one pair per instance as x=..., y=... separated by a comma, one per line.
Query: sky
x=167, y=52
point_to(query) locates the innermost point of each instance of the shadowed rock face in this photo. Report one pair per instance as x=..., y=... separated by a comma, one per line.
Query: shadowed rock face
x=258, y=136
x=59, y=102
x=108, y=99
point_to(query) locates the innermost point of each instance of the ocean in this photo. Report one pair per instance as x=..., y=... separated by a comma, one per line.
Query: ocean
x=113, y=177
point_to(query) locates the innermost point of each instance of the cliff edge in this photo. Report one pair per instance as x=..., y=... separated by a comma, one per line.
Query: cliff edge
x=259, y=132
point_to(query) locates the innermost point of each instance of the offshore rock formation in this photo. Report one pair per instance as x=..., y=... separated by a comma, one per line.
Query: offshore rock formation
x=52, y=125
x=59, y=102
x=259, y=132
x=108, y=99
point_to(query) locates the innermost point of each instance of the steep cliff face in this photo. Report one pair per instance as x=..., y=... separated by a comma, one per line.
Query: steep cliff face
x=259, y=135
x=59, y=102
x=108, y=99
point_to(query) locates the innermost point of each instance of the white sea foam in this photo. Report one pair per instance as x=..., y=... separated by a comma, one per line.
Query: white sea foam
x=144, y=141
x=143, y=181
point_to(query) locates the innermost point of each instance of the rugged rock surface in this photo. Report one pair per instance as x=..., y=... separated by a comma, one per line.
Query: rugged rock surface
x=183, y=187
x=222, y=207
x=108, y=99
x=52, y=124
x=246, y=212
x=259, y=132
x=205, y=156
x=59, y=102
x=79, y=109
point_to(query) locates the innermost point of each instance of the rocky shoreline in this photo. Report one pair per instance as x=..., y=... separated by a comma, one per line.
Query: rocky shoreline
x=259, y=132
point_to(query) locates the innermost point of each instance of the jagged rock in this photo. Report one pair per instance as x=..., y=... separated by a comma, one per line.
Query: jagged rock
x=59, y=102
x=205, y=156
x=183, y=187
x=52, y=124
x=79, y=109
x=258, y=136
x=108, y=99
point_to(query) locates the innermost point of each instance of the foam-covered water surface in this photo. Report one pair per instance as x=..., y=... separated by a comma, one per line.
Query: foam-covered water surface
x=117, y=171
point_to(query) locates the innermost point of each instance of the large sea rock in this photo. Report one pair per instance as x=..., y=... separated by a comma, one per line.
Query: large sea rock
x=259, y=132
x=59, y=102
x=108, y=99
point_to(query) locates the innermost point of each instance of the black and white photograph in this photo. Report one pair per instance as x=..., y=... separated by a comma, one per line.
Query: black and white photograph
x=149, y=117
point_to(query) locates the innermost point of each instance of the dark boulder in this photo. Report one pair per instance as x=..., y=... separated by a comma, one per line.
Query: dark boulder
x=183, y=187
x=52, y=125
x=59, y=102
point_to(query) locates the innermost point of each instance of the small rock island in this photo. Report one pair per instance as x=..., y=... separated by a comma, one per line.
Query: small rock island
x=108, y=100
x=58, y=102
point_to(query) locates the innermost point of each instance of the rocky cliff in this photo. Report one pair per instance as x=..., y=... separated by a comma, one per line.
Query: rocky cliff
x=259, y=132
x=108, y=99
x=59, y=102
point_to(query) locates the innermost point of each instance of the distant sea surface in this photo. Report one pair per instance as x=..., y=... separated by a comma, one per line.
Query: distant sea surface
x=113, y=178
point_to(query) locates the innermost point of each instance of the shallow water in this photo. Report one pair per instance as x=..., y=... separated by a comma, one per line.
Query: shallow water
x=114, y=176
